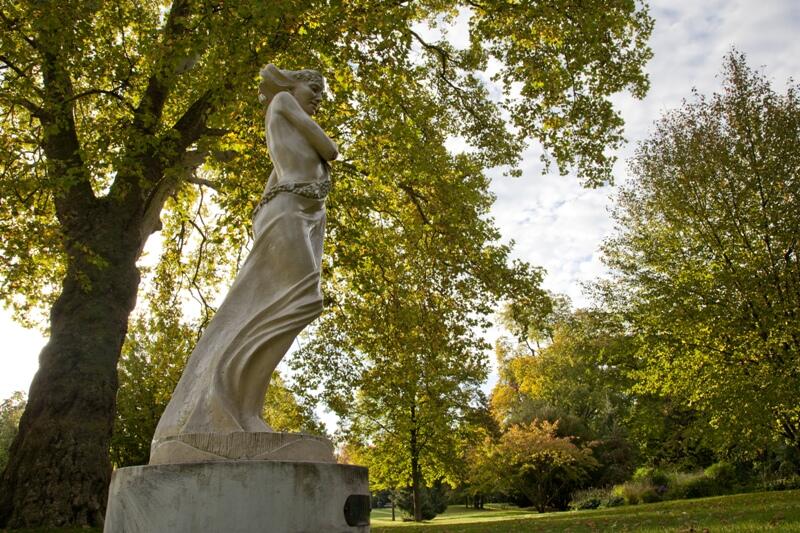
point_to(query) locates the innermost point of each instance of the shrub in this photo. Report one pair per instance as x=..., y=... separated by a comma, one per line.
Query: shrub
x=723, y=473
x=614, y=500
x=588, y=499
x=655, y=476
x=788, y=483
x=596, y=498
x=701, y=488
x=679, y=482
x=541, y=465
x=634, y=492
x=651, y=496
x=434, y=501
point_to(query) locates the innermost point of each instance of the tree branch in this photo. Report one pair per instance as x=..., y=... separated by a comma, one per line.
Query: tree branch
x=34, y=109
x=106, y=92
x=60, y=142
x=203, y=182
x=148, y=113
x=18, y=71
x=415, y=199
x=444, y=57
x=11, y=24
x=183, y=170
x=192, y=125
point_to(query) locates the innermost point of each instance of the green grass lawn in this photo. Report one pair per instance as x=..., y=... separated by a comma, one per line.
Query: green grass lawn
x=742, y=513
x=762, y=511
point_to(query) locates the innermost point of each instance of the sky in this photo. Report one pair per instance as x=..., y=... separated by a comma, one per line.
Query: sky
x=554, y=222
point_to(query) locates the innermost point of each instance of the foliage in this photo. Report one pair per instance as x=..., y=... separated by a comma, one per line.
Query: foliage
x=595, y=499
x=656, y=476
x=723, y=473
x=588, y=499
x=153, y=356
x=484, y=474
x=155, y=64
x=705, y=260
x=580, y=379
x=788, y=483
x=10, y=413
x=635, y=492
x=543, y=467
x=651, y=484
x=670, y=434
x=285, y=411
x=434, y=501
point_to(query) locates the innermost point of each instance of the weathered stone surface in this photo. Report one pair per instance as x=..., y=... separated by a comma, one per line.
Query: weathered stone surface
x=239, y=497
x=275, y=295
x=242, y=446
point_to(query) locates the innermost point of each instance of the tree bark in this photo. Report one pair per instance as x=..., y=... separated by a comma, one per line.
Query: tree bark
x=59, y=467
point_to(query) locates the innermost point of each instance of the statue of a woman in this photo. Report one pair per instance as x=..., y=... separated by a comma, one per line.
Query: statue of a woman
x=215, y=411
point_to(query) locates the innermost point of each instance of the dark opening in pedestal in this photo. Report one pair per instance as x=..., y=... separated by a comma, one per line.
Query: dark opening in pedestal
x=356, y=510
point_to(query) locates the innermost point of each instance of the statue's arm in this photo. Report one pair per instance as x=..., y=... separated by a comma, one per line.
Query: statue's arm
x=287, y=106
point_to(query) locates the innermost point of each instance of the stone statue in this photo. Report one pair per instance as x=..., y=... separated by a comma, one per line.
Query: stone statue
x=215, y=411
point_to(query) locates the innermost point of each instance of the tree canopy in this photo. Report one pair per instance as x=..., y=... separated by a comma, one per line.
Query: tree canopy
x=176, y=82
x=705, y=267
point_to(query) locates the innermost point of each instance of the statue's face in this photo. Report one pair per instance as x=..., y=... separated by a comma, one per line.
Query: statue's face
x=308, y=94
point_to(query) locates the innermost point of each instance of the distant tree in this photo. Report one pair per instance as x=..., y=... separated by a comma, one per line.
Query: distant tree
x=705, y=259
x=542, y=466
x=483, y=474
x=581, y=379
x=10, y=412
x=401, y=364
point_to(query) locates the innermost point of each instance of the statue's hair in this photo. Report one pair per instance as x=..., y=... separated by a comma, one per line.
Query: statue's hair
x=275, y=80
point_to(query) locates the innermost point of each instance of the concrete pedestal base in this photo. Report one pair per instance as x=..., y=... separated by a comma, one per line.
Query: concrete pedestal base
x=239, y=497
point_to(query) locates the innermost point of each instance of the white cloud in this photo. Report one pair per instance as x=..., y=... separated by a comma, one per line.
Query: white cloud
x=560, y=226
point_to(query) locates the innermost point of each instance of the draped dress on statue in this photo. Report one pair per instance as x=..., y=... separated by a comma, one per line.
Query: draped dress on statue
x=215, y=411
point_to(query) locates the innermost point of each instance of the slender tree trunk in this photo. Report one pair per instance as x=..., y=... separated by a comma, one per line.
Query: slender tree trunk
x=416, y=476
x=59, y=466
x=416, y=490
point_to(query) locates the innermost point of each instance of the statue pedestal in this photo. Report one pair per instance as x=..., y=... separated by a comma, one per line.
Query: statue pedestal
x=239, y=497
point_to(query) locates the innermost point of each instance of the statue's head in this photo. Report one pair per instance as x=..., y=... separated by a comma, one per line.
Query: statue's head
x=275, y=80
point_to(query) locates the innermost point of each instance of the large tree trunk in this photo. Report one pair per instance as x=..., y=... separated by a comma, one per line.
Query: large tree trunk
x=59, y=466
